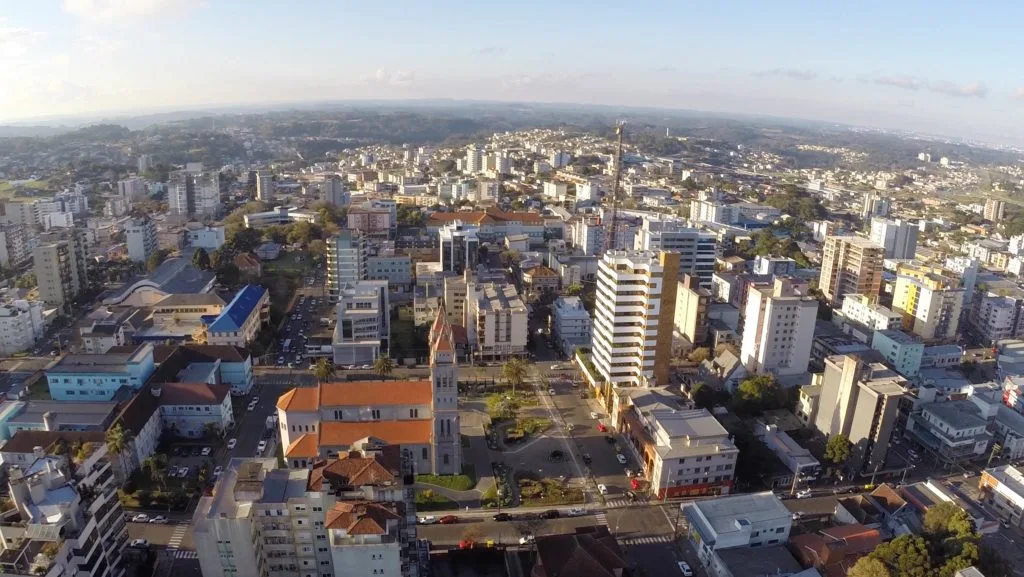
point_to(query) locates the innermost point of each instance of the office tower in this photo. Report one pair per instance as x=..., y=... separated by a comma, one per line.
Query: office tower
x=346, y=260
x=474, y=160
x=335, y=192
x=264, y=186
x=898, y=237
x=691, y=318
x=930, y=300
x=778, y=329
x=697, y=249
x=140, y=235
x=459, y=246
x=860, y=401
x=145, y=162
x=59, y=266
x=874, y=205
x=633, y=317
x=850, y=265
x=194, y=194
x=995, y=210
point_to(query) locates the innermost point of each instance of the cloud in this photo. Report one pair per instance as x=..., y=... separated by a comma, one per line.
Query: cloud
x=904, y=82
x=490, y=51
x=15, y=41
x=120, y=10
x=969, y=90
x=389, y=77
x=793, y=73
x=1019, y=93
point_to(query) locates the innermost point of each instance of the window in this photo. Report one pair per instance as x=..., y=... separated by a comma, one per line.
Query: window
x=425, y=452
x=780, y=529
x=414, y=413
x=375, y=414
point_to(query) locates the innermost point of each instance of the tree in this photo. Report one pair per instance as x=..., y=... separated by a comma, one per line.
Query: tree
x=156, y=471
x=573, y=289
x=245, y=240
x=156, y=259
x=703, y=396
x=699, y=355
x=837, y=450
x=383, y=366
x=201, y=259
x=211, y=431
x=759, y=393
x=317, y=248
x=300, y=233
x=323, y=370
x=947, y=519
x=509, y=258
x=514, y=371
x=27, y=281
x=117, y=439
x=869, y=567
x=907, y=555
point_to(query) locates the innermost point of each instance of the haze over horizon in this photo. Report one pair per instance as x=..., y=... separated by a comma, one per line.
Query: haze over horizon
x=922, y=66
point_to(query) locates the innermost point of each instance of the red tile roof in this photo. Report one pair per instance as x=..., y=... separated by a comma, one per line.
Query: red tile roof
x=193, y=393
x=355, y=470
x=362, y=517
x=345, y=433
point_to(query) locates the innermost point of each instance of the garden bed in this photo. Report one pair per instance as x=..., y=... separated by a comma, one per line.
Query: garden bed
x=536, y=491
x=463, y=482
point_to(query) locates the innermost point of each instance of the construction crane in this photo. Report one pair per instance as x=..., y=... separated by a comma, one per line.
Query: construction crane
x=609, y=237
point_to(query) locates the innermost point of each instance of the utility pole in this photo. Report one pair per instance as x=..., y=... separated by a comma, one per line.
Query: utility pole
x=609, y=239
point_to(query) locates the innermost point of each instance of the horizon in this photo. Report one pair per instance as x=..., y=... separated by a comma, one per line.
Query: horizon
x=108, y=58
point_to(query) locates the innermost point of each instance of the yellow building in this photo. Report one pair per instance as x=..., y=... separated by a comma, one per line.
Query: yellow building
x=930, y=299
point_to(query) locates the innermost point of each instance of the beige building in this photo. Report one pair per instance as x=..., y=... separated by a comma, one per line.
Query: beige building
x=850, y=265
x=691, y=318
x=778, y=329
x=59, y=266
x=633, y=319
x=496, y=321
x=930, y=300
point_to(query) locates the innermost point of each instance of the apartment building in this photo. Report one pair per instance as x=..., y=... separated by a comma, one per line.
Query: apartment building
x=264, y=186
x=21, y=325
x=778, y=329
x=24, y=212
x=587, y=233
x=334, y=192
x=14, y=245
x=697, y=249
x=351, y=515
x=194, y=193
x=570, y=324
x=800, y=462
x=930, y=300
x=953, y=431
x=898, y=237
x=133, y=188
x=860, y=400
x=422, y=416
x=496, y=321
x=691, y=318
x=994, y=318
x=862, y=314
x=681, y=452
x=903, y=351
x=363, y=326
x=60, y=269
x=1003, y=490
x=66, y=517
x=140, y=236
x=850, y=265
x=994, y=210
x=396, y=269
x=635, y=306
x=376, y=223
x=188, y=407
x=346, y=260
x=209, y=238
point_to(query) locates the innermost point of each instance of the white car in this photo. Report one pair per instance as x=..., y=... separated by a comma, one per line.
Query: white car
x=255, y=400
x=576, y=512
x=231, y=443
x=594, y=415
x=621, y=458
x=262, y=446
x=551, y=391
x=206, y=451
x=139, y=544
x=427, y=520
x=526, y=539
x=556, y=367
x=684, y=567
x=913, y=454
x=806, y=493
x=159, y=520
x=140, y=518
x=217, y=471
x=252, y=406
x=602, y=489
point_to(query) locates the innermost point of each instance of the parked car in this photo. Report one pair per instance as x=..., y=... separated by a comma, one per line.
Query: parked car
x=609, y=439
x=140, y=518
x=551, y=391
x=262, y=446
x=448, y=520
x=427, y=520
x=139, y=544
x=601, y=488
x=526, y=539
x=621, y=458
x=217, y=471
x=231, y=443
x=586, y=458
x=556, y=367
x=159, y=520
x=601, y=428
x=576, y=512
x=550, y=514
x=206, y=451
x=805, y=494
x=501, y=517
x=593, y=415
x=684, y=567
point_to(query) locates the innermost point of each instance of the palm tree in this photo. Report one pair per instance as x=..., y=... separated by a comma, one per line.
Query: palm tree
x=117, y=439
x=514, y=371
x=156, y=470
x=323, y=370
x=383, y=366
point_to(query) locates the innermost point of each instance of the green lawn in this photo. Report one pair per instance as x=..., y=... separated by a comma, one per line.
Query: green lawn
x=463, y=482
x=289, y=262
x=548, y=492
x=427, y=500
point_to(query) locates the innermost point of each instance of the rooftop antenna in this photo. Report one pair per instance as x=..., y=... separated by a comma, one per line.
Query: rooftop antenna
x=609, y=239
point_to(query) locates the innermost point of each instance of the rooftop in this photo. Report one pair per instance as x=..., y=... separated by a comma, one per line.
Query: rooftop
x=233, y=317
x=960, y=414
x=106, y=363
x=760, y=561
x=356, y=393
x=723, y=513
x=589, y=552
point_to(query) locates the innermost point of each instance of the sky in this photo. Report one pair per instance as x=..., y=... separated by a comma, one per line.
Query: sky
x=937, y=66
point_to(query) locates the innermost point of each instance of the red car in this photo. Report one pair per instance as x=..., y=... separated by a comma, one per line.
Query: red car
x=602, y=428
x=448, y=520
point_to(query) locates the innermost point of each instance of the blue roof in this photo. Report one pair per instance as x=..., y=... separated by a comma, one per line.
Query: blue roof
x=233, y=316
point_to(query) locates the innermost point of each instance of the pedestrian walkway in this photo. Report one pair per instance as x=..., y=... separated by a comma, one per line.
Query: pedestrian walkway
x=179, y=554
x=601, y=518
x=647, y=540
x=618, y=503
x=174, y=544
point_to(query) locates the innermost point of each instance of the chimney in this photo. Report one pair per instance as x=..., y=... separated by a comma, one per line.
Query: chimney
x=49, y=421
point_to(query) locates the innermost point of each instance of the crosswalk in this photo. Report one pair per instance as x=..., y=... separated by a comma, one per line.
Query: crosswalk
x=180, y=554
x=174, y=544
x=601, y=518
x=615, y=503
x=646, y=540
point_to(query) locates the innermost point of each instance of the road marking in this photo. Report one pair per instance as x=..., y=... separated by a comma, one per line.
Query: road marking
x=557, y=420
x=174, y=543
x=186, y=555
x=601, y=518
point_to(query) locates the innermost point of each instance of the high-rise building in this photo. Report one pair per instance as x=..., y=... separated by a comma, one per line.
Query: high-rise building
x=13, y=245
x=633, y=318
x=496, y=320
x=145, y=162
x=60, y=269
x=363, y=329
x=995, y=210
x=898, y=237
x=335, y=192
x=874, y=205
x=194, y=194
x=587, y=234
x=697, y=249
x=691, y=318
x=930, y=300
x=850, y=265
x=560, y=158
x=346, y=260
x=22, y=211
x=459, y=247
x=778, y=329
x=140, y=236
x=474, y=160
x=132, y=188
x=860, y=401
x=264, y=186
x=354, y=514
x=69, y=519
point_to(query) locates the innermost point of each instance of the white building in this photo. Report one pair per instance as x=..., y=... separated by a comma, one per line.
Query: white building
x=186, y=408
x=570, y=324
x=555, y=191
x=364, y=322
x=396, y=269
x=749, y=520
x=207, y=237
x=588, y=235
x=145, y=162
x=346, y=260
x=132, y=188
x=140, y=236
x=474, y=160
x=335, y=192
x=633, y=317
x=696, y=248
x=560, y=158
x=865, y=311
x=282, y=215
x=191, y=193
x=1003, y=489
x=14, y=245
x=496, y=320
x=778, y=329
x=953, y=431
x=21, y=325
x=898, y=237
